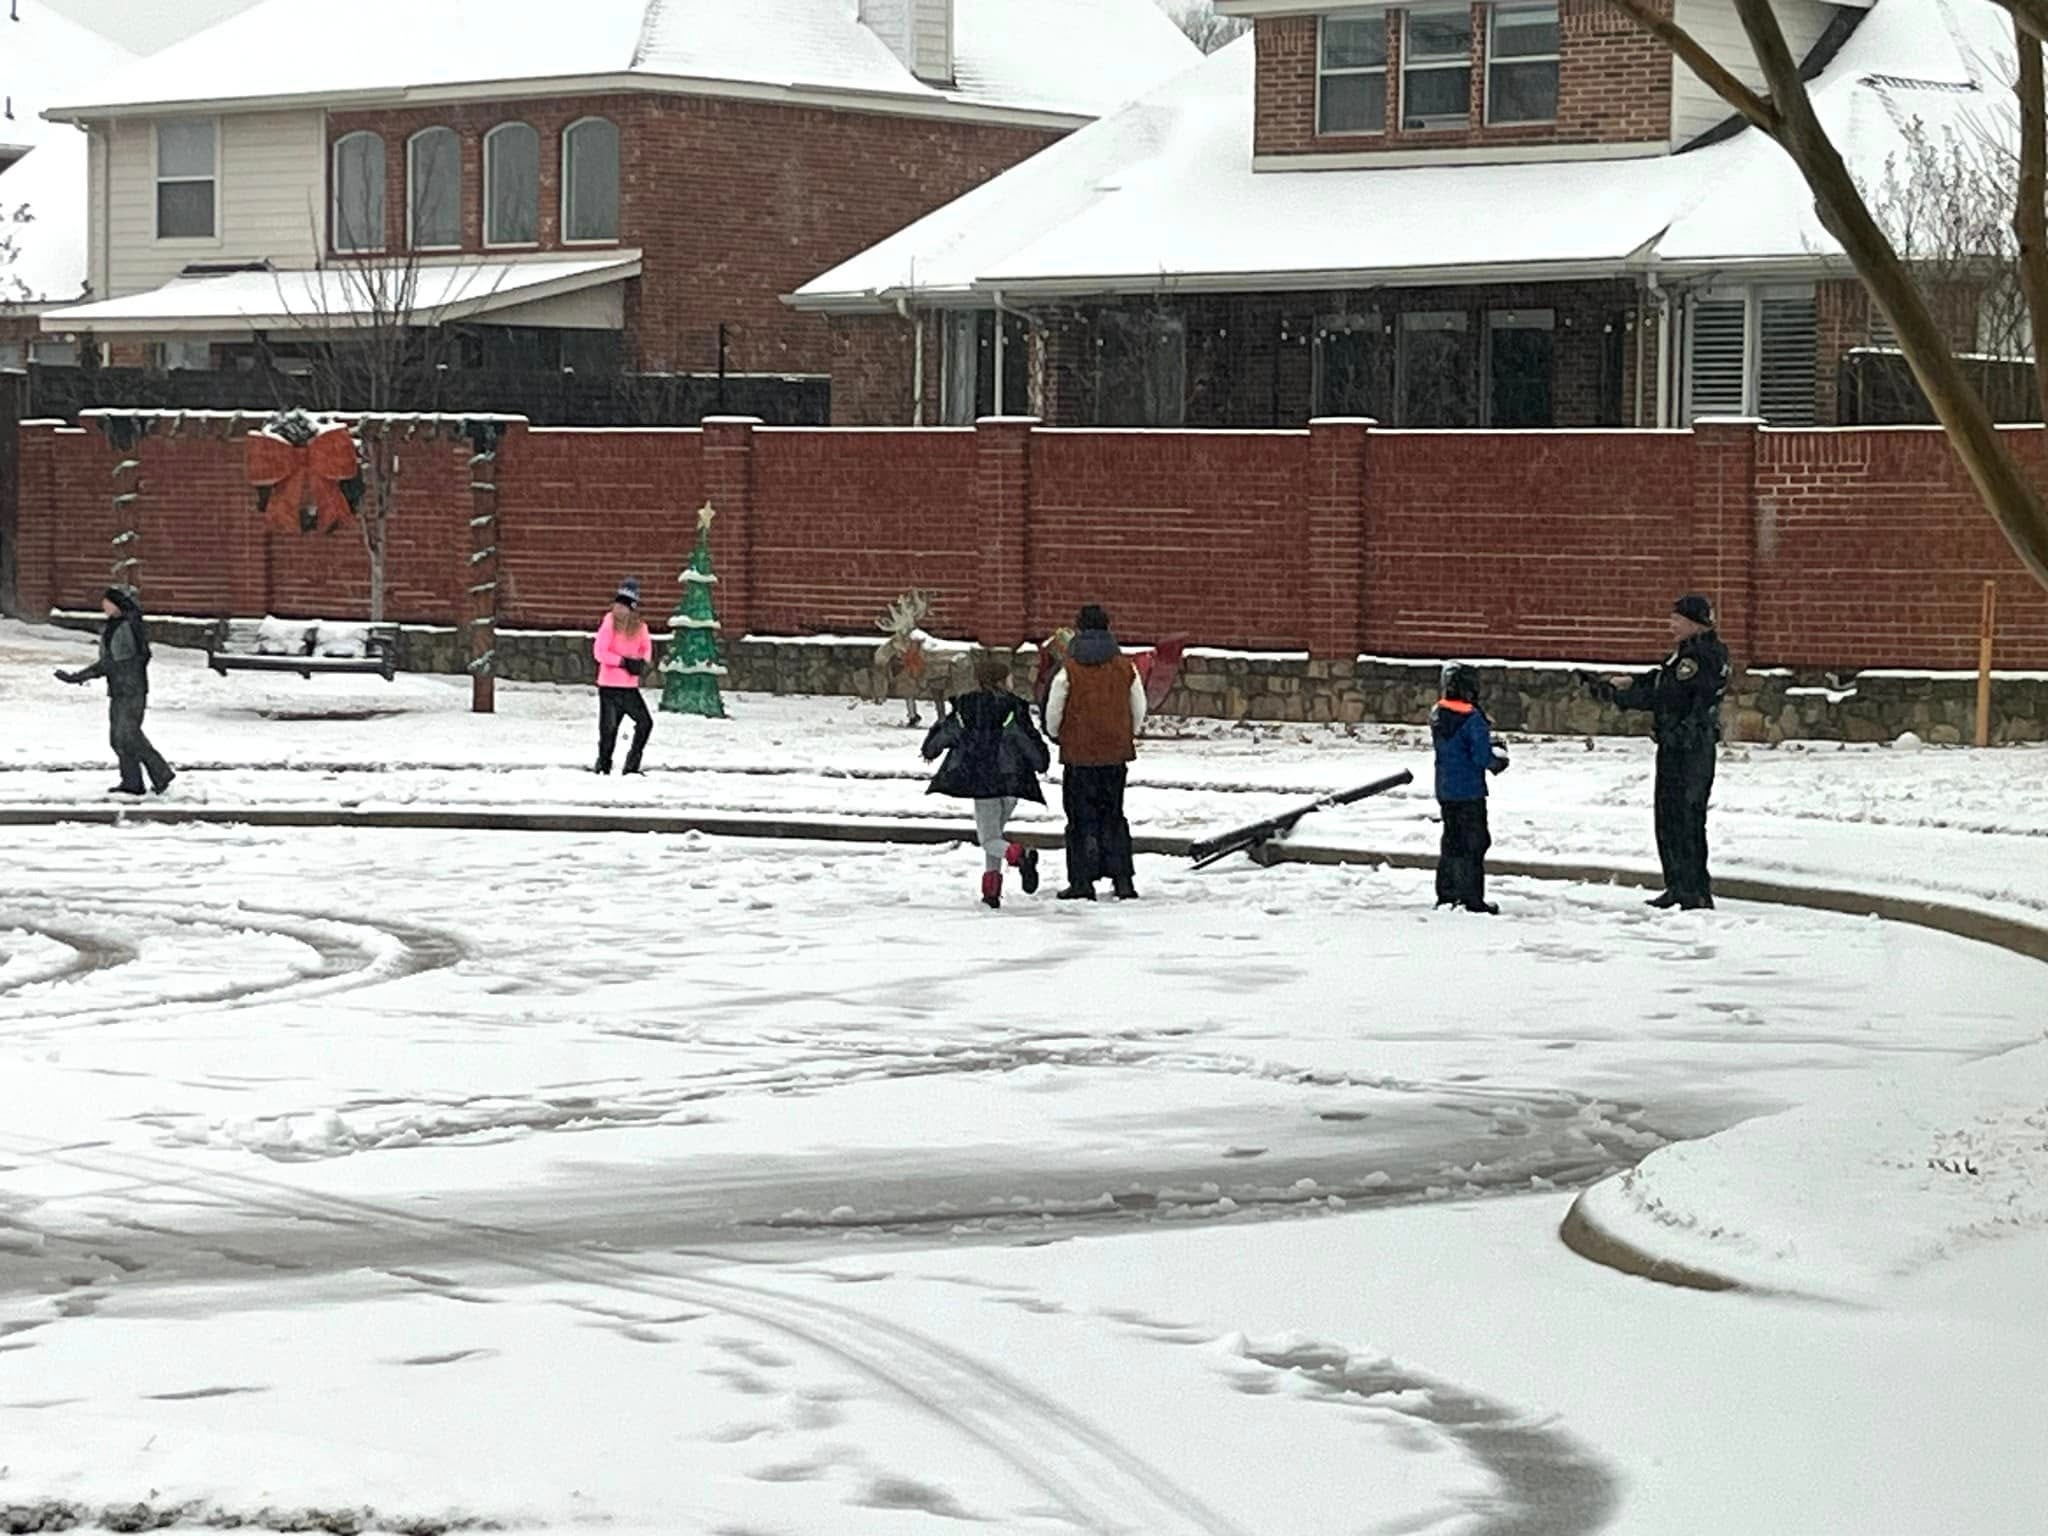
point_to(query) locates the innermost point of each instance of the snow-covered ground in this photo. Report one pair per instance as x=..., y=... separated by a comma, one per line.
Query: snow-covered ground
x=684, y=1184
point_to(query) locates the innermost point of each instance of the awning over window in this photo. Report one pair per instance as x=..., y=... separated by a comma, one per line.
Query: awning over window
x=348, y=296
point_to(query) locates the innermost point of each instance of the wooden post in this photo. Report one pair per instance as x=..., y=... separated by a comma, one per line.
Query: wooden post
x=1987, y=631
x=485, y=438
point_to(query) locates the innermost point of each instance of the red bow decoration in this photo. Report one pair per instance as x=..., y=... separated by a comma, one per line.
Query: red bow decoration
x=302, y=477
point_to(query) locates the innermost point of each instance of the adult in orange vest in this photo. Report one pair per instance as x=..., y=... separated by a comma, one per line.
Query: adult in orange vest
x=1094, y=710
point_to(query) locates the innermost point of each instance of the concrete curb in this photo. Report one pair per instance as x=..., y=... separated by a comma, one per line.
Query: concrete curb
x=1579, y=1232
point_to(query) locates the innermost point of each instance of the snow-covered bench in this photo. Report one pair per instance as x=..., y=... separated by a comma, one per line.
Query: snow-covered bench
x=304, y=646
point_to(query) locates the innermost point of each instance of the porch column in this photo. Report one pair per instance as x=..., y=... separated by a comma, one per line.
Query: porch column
x=1722, y=559
x=1339, y=456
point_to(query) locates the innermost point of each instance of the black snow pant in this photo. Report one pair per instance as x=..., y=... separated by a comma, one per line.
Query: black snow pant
x=614, y=705
x=1461, y=858
x=1685, y=782
x=132, y=749
x=1098, y=836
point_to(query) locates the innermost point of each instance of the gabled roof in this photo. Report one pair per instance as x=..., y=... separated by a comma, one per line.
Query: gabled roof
x=44, y=56
x=1058, y=58
x=1161, y=196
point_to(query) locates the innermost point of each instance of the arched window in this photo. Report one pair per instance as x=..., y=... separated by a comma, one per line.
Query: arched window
x=433, y=175
x=511, y=185
x=590, y=180
x=359, y=193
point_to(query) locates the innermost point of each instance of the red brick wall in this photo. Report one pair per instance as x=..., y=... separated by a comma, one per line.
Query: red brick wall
x=1169, y=529
x=732, y=203
x=579, y=511
x=1614, y=87
x=1823, y=548
x=1872, y=550
x=845, y=522
x=1562, y=544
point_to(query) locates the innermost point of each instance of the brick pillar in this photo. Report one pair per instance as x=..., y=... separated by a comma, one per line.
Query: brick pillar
x=1002, y=510
x=36, y=489
x=729, y=486
x=1722, y=557
x=1334, y=586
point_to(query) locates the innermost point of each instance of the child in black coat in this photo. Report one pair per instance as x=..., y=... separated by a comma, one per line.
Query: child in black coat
x=994, y=756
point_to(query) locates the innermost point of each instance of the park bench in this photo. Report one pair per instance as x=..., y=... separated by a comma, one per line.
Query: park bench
x=304, y=646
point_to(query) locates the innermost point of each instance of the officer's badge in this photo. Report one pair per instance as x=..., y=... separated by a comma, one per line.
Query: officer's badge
x=1688, y=669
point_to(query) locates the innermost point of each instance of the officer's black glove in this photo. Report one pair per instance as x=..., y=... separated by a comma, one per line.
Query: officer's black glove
x=68, y=677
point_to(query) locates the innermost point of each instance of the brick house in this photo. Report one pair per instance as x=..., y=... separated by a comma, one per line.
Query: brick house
x=1501, y=213
x=622, y=184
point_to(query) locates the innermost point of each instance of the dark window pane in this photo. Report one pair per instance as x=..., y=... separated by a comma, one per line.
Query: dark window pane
x=436, y=189
x=359, y=193
x=1523, y=93
x=1520, y=377
x=1436, y=93
x=1353, y=104
x=1522, y=33
x=1438, y=365
x=593, y=170
x=1446, y=35
x=1352, y=42
x=1345, y=365
x=512, y=169
x=184, y=210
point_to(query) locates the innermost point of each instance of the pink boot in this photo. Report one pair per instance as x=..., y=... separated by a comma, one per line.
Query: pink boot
x=992, y=888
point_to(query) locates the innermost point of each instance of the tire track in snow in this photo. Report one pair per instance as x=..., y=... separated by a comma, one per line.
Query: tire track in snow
x=1101, y=1485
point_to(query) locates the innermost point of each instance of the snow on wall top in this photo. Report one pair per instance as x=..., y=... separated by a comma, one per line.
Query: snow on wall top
x=1074, y=57
x=1162, y=193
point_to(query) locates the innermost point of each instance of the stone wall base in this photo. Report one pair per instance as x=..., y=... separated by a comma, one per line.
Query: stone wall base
x=1764, y=706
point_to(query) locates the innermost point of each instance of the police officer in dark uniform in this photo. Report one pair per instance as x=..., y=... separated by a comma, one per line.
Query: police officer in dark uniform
x=1684, y=699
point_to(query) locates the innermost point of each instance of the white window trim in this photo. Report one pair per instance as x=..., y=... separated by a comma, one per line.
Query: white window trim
x=1492, y=58
x=510, y=245
x=334, y=210
x=1379, y=69
x=158, y=179
x=619, y=212
x=1436, y=64
x=412, y=203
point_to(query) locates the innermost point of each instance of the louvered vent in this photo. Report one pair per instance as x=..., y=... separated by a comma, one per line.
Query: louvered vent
x=1789, y=336
x=1718, y=327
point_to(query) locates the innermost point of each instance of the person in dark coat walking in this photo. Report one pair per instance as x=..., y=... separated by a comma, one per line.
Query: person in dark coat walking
x=124, y=663
x=1465, y=754
x=994, y=756
x=1094, y=709
x=1683, y=696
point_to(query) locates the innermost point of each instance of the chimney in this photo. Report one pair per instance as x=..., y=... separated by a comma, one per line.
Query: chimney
x=919, y=32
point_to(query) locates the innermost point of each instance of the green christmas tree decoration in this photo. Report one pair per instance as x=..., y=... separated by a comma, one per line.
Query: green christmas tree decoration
x=690, y=672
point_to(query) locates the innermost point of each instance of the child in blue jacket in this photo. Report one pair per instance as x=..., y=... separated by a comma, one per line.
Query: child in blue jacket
x=1465, y=754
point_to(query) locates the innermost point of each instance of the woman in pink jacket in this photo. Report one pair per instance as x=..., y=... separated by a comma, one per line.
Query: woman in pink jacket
x=625, y=651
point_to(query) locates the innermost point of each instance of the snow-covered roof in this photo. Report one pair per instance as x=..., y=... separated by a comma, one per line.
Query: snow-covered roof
x=340, y=297
x=1065, y=58
x=1162, y=195
x=44, y=56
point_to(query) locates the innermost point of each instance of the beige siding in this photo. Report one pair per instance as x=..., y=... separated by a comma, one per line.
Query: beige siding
x=1694, y=107
x=931, y=41
x=95, y=210
x=271, y=199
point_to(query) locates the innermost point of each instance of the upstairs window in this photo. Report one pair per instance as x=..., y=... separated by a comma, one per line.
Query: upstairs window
x=1436, y=69
x=512, y=185
x=187, y=169
x=1521, y=64
x=1351, y=73
x=359, y=193
x=433, y=176
x=590, y=180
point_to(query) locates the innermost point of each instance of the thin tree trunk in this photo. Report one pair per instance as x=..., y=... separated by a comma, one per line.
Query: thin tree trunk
x=2030, y=201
